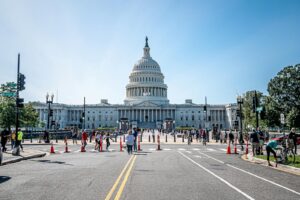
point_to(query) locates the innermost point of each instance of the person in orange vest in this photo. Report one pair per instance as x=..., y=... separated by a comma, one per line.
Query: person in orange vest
x=84, y=138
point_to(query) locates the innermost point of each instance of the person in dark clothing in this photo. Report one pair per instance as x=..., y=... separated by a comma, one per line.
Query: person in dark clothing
x=107, y=138
x=135, y=135
x=4, y=137
x=293, y=136
x=46, y=137
x=255, y=141
x=231, y=137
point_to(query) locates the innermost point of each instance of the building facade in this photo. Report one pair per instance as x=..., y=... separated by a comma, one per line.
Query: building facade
x=146, y=106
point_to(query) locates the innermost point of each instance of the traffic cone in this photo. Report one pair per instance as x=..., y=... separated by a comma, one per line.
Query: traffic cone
x=66, y=148
x=158, y=143
x=228, y=149
x=52, y=148
x=82, y=148
x=139, y=143
x=235, y=150
x=121, y=144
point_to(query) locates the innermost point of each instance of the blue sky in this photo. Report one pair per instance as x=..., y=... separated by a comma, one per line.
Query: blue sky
x=210, y=48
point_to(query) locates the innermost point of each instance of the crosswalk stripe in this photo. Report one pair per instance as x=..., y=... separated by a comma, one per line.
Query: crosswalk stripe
x=209, y=149
x=152, y=149
x=167, y=149
x=197, y=156
x=189, y=152
x=196, y=149
x=223, y=149
x=181, y=149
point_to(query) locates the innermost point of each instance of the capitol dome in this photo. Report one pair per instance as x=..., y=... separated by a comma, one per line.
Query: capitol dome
x=146, y=82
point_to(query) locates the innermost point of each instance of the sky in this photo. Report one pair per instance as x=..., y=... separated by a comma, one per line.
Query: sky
x=216, y=48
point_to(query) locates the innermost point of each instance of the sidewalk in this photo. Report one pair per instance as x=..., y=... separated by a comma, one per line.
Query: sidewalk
x=280, y=167
x=8, y=158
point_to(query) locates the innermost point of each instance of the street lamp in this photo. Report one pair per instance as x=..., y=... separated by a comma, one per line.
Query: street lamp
x=240, y=101
x=49, y=101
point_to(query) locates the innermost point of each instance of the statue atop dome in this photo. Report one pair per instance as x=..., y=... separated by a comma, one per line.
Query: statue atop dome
x=146, y=45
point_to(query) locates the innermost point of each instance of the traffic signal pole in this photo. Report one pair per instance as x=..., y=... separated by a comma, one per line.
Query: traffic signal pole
x=17, y=97
x=256, y=111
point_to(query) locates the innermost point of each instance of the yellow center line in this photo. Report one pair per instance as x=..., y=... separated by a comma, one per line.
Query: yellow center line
x=118, y=180
x=125, y=180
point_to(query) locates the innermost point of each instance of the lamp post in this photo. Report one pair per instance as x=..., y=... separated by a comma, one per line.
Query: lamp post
x=49, y=101
x=240, y=101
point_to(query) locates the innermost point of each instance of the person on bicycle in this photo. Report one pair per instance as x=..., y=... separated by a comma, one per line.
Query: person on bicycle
x=270, y=149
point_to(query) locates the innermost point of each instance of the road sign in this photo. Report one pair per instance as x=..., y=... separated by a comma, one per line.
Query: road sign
x=8, y=94
x=259, y=109
x=282, y=120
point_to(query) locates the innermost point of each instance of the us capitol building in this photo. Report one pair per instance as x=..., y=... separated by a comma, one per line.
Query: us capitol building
x=146, y=106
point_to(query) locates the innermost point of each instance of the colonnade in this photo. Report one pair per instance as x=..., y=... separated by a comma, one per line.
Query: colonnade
x=147, y=115
x=153, y=91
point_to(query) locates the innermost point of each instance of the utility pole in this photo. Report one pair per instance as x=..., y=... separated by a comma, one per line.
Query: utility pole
x=256, y=111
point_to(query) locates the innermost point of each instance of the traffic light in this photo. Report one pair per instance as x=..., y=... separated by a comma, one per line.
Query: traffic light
x=253, y=104
x=51, y=113
x=83, y=115
x=238, y=113
x=52, y=123
x=81, y=120
x=204, y=108
x=21, y=82
x=20, y=102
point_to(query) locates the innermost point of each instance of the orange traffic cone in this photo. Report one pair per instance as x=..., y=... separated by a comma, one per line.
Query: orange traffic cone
x=121, y=144
x=235, y=150
x=66, y=148
x=158, y=143
x=228, y=149
x=52, y=148
x=139, y=143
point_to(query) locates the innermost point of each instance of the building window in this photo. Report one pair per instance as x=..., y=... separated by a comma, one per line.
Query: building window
x=88, y=118
x=186, y=118
x=193, y=118
x=181, y=118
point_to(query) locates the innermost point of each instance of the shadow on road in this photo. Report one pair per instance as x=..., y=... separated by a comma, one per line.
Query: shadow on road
x=4, y=179
x=52, y=162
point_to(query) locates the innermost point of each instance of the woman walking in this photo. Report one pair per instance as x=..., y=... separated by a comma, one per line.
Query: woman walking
x=129, y=142
x=107, y=138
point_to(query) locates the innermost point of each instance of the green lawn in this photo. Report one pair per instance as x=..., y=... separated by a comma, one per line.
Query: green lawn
x=290, y=160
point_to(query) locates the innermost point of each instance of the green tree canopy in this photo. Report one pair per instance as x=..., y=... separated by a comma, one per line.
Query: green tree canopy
x=284, y=89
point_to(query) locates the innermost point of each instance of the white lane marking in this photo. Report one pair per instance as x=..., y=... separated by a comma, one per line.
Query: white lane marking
x=264, y=179
x=212, y=158
x=196, y=149
x=167, y=149
x=197, y=156
x=223, y=150
x=181, y=149
x=209, y=149
x=152, y=149
x=189, y=152
x=218, y=177
x=77, y=151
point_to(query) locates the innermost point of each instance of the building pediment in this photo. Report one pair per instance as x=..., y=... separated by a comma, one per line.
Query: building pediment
x=147, y=104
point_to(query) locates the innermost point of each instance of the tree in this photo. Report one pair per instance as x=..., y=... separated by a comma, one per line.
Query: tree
x=272, y=112
x=284, y=88
x=7, y=112
x=29, y=116
x=249, y=116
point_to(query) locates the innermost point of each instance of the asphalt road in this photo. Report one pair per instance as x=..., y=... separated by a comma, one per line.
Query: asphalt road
x=176, y=172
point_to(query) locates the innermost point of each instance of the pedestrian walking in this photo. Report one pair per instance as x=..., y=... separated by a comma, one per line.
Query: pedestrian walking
x=107, y=138
x=4, y=137
x=84, y=138
x=204, y=137
x=13, y=139
x=74, y=136
x=254, y=139
x=19, y=139
x=231, y=137
x=129, y=142
x=261, y=139
x=97, y=141
x=293, y=140
x=135, y=135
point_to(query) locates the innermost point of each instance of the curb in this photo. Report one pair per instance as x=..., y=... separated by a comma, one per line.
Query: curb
x=280, y=167
x=23, y=158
